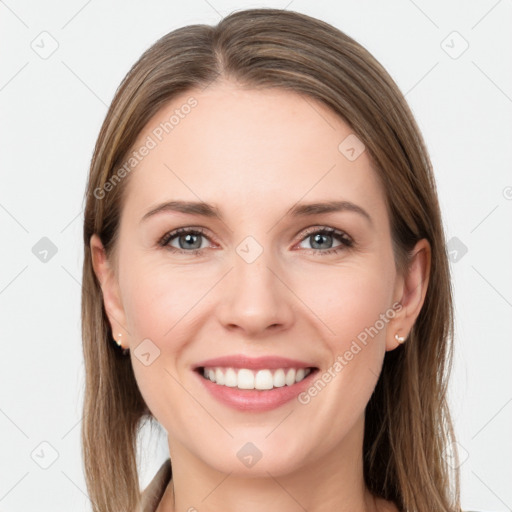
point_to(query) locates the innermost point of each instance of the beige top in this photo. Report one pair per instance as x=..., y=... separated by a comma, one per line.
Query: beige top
x=153, y=493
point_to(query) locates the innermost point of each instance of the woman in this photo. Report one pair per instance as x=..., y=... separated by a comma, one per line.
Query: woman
x=265, y=275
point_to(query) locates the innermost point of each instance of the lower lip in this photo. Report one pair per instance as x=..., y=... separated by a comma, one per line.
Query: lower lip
x=255, y=399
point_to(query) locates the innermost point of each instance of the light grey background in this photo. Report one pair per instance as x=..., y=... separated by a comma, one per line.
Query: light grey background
x=52, y=107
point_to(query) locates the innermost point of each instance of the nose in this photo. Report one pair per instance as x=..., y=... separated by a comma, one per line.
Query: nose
x=255, y=298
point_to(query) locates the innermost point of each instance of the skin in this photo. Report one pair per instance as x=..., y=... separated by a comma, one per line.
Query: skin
x=254, y=154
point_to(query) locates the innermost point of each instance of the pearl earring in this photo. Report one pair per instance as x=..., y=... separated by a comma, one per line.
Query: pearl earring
x=120, y=345
x=400, y=339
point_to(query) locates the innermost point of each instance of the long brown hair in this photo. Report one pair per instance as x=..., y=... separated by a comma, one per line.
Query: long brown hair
x=408, y=426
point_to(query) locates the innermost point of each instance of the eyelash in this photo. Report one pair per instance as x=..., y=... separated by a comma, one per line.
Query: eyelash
x=346, y=241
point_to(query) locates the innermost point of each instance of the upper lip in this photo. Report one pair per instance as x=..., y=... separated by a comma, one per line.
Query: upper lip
x=252, y=363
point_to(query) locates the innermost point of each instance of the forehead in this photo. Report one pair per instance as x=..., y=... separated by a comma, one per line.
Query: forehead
x=249, y=148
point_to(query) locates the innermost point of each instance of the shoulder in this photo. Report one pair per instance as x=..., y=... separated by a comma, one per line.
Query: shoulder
x=152, y=494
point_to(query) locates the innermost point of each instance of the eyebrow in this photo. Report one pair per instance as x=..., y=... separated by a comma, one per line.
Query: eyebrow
x=299, y=210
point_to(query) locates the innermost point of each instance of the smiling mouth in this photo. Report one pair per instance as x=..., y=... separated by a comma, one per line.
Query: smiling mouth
x=247, y=379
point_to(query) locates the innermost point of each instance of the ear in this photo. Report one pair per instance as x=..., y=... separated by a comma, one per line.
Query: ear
x=110, y=289
x=410, y=292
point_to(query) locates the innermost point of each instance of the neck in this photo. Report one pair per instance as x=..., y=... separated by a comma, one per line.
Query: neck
x=332, y=481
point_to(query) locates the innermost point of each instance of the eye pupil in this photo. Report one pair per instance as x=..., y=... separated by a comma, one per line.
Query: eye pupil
x=189, y=238
x=318, y=239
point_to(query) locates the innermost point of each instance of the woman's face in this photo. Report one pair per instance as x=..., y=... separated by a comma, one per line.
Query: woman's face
x=264, y=282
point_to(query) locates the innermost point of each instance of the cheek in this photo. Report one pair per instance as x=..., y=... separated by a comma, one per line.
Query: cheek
x=348, y=299
x=354, y=314
x=158, y=298
x=158, y=309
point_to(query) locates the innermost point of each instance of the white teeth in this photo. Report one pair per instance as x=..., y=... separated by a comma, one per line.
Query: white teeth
x=230, y=378
x=219, y=376
x=290, y=377
x=260, y=379
x=263, y=380
x=278, y=379
x=245, y=379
